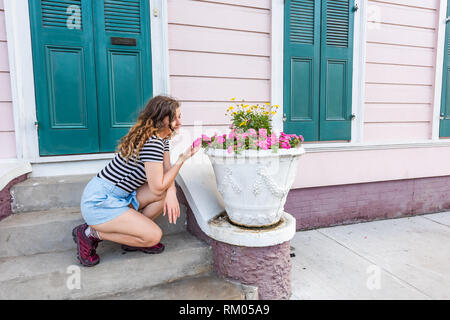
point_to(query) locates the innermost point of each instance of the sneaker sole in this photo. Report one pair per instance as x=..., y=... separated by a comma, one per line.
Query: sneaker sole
x=146, y=252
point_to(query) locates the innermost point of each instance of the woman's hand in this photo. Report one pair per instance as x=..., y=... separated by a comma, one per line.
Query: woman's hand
x=189, y=153
x=171, y=207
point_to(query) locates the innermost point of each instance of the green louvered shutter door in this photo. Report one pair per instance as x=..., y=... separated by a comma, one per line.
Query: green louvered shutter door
x=444, y=125
x=123, y=62
x=63, y=56
x=336, y=70
x=302, y=67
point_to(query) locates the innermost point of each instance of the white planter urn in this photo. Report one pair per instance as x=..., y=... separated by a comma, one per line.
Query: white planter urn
x=254, y=184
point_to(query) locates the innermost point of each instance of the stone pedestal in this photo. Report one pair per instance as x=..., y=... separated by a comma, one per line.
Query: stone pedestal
x=253, y=256
x=268, y=268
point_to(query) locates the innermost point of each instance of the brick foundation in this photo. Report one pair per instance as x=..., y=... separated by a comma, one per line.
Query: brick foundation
x=345, y=204
x=5, y=197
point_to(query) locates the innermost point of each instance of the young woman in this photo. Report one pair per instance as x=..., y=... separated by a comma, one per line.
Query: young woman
x=139, y=178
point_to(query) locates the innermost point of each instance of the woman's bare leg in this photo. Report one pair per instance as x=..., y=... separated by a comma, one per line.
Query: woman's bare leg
x=130, y=228
x=150, y=205
x=153, y=210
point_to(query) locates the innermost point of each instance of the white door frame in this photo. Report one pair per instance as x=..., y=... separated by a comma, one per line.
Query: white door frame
x=18, y=32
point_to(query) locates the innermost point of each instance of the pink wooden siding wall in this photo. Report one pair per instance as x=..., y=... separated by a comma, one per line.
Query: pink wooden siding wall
x=7, y=140
x=400, y=59
x=218, y=50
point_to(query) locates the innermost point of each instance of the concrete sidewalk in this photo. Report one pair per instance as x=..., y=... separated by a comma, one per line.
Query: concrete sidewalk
x=405, y=258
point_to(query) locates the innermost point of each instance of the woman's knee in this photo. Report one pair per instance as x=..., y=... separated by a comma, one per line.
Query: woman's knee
x=152, y=237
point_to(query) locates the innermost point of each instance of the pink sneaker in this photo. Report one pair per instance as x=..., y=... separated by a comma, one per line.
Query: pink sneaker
x=155, y=249
x=85, y=246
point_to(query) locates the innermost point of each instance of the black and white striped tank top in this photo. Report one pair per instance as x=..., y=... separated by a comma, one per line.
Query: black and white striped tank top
x=130, y=176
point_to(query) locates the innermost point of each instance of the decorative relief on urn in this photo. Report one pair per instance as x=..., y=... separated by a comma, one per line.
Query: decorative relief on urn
x=228, y=181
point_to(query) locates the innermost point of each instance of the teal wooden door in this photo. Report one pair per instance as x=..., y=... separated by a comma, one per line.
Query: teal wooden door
x=444, y=123
x=123, y=63
x=318, y=69
x=65, y=84
x=92, y=68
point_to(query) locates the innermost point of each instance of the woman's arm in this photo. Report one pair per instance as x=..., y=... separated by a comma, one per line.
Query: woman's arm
x=171, y=205
x=158, y=180
x=166, y=167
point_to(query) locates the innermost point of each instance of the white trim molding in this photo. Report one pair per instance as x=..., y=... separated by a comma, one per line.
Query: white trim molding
x=20, y=55
x=439, y=69
x=18, y=34
x=276, y=59
x=160, y=46
x=359, y=70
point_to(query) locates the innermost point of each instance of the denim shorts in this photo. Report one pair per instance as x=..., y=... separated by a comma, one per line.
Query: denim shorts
x=102, y=201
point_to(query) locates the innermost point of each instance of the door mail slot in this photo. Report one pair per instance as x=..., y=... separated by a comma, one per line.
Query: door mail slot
x=123, y=41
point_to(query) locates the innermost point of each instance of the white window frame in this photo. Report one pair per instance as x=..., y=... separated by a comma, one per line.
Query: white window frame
x=18, y=33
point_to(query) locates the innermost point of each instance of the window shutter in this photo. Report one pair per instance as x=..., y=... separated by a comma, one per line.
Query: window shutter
x=336, y=70
x=444, y=123
x=301, y=67
x=61, y=13
x=123, y=16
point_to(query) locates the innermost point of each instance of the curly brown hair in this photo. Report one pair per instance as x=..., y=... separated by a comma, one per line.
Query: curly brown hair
x=149, y=122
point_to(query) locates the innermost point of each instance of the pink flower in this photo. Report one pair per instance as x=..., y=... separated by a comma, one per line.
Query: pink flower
x=220, y=139
x=205, y=137
x=230, y=149
x=285, y=145
x=232, y=134
x=197, y=142
x=273, y=138
x=301, y=138
x=262, y=132
x=262, y=144
x=252, y=132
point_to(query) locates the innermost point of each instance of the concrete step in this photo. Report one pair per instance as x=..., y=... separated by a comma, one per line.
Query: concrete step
x=58, y=275
x=45, y=193
x=51, y=230
x=203, y=287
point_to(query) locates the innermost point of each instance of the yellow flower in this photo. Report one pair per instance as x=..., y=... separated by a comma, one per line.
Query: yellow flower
x=273, y=112
x=231, y=108
x=232, y=99
x=267, y=103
